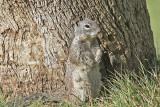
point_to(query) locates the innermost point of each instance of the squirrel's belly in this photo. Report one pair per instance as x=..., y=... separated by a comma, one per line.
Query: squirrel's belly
x=86, y=82
x=95, y=81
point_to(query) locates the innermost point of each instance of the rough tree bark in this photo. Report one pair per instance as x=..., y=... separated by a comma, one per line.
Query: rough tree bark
x=35, y=36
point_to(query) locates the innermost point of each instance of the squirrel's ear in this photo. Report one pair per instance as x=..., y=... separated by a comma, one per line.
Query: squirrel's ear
x=75, y=28
x=86, y=16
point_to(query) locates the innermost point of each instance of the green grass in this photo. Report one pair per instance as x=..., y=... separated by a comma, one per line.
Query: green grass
x=132, y=90
x=125, y=90
x=2, y=100
x=154, y=11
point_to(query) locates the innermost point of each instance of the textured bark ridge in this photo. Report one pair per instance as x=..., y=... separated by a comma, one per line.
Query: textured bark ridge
x=35, y=36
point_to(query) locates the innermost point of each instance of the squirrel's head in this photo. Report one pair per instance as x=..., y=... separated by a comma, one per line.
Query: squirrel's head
x=87, y=28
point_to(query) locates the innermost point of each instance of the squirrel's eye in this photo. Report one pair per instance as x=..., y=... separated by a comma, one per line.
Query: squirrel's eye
x=87, y=26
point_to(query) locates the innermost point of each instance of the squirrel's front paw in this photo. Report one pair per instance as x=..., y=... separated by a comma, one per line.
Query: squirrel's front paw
x=98, y=57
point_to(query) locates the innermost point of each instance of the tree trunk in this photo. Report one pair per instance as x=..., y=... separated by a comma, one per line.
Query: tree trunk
x=35, y=36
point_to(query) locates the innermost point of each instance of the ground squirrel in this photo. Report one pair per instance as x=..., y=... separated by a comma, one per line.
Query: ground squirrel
x=82, y=76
